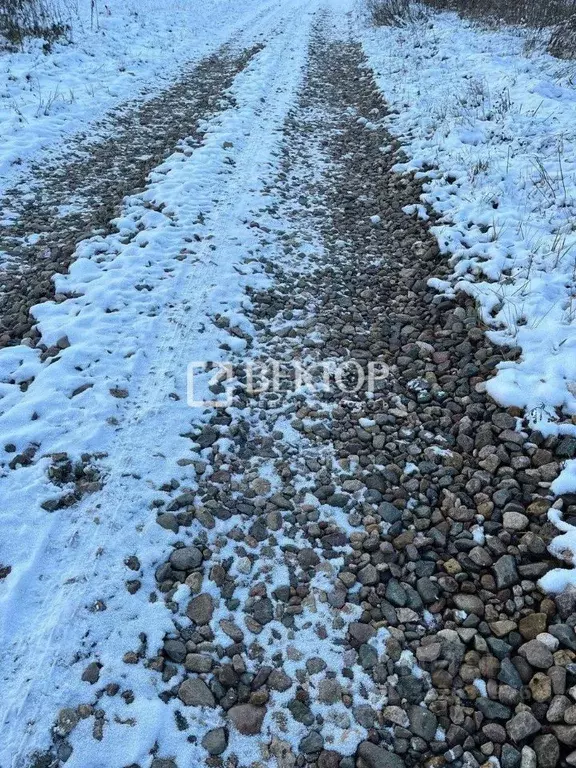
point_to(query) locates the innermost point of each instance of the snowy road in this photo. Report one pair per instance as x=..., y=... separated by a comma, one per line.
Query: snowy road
x=334, y=577
x=78, y=559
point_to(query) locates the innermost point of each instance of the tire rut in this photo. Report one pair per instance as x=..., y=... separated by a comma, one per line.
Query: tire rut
x=359, y=572
x=76, y=196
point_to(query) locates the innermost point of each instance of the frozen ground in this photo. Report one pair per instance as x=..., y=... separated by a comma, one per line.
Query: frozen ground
x=492, y=129
x=348, y=577
x=130, y=49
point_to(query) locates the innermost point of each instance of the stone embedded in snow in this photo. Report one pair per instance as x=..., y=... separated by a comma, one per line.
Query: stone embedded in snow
x=175, y=650
x=67, y=721
x=200, y=609
x=92, y=673
x=215, y=741
x=186, y=558
x=314, y=742
x=194, y=692
x=247, y=718
x=232, y=630
x=278, y=680
x=329, y=691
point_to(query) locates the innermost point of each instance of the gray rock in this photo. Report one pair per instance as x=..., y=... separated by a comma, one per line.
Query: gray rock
x=168, y=520
x=368, y=575
x=537, y=654
x=492, y=710
x=278, y=680
x=566, y=734
x=163, y=762
x=509, y=674
x=301, y=712
x=194, y=692
x=469, y=604
x=92, y=673
x=506, y=572
x=565, y=634
x=522, y=725
x=364, y=715
x=329, y=691
x=377, y=757
x=368, y=656
x=422, y=722
x=314, y=742
x=511, y=757
x=247, y=718
x=389, y=513
x=361, y=632
x=198, y=662
x=185, y=558
x=263, y=611
x=396, y=593
x=547, y=750
x=215, y=741
x=175, y=650
x=200, y=609
x=67, y=721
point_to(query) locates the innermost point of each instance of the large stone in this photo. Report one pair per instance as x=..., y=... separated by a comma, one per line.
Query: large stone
x=422, y=722
x=185, y=558
x=506, y=572
x=522, y=725
x=200, y=609
x=247, y=718
x=377, y=757
x=469, y=604
x=547, y=750
x=215, y=741
x=195, y=693
x=537, y=654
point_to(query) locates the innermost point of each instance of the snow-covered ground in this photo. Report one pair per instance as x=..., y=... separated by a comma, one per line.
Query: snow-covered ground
x=493, y=130
x=129, y=49
x=138, y=343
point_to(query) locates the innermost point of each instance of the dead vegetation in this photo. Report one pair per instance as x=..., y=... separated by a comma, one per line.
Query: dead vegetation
x=21, y=19
x=557, y=18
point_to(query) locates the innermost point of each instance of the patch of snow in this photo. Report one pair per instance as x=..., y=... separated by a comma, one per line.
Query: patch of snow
x=492, y=133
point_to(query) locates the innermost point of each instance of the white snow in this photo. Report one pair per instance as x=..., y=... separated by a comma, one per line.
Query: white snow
x=131, y=49
x=67, y=563
x=492, y=130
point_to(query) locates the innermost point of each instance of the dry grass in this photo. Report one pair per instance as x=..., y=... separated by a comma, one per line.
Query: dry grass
x=20, y=19
x=530, y=13
x=556, y=19
x=395, y=13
